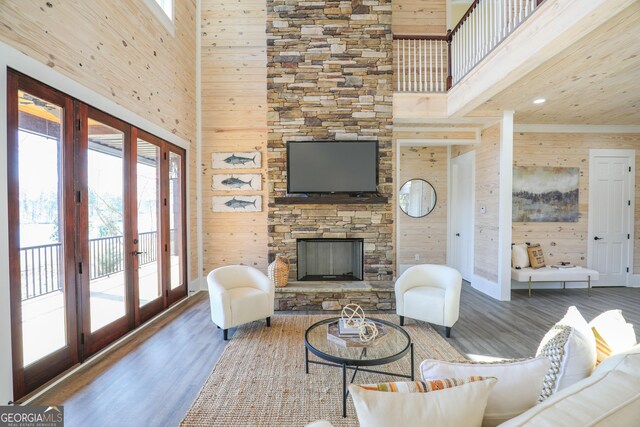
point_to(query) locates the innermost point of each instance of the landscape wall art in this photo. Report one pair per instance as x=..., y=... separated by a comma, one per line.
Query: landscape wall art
x=545, y=194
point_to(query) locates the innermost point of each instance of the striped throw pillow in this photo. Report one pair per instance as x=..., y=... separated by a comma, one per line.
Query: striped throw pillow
x=420, y=386
x=602, y=348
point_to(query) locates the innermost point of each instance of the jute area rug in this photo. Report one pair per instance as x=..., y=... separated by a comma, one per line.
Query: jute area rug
x=260, y=378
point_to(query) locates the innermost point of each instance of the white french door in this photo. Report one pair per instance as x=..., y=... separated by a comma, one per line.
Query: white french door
x=611, y=183
x=462, y=213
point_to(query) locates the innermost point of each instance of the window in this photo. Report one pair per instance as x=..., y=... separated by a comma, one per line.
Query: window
x=167, y=7
x=163, y=11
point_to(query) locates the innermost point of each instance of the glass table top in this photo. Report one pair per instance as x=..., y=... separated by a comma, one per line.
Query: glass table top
x=392, y=343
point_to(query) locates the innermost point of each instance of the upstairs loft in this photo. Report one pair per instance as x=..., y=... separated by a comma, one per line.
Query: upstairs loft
x=505, y=53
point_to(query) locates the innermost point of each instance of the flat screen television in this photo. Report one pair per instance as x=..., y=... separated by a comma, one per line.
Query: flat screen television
x=332, y=167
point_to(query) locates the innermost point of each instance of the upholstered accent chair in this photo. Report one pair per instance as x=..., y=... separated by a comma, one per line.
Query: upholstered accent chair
x=239, y=294
x=430, y=293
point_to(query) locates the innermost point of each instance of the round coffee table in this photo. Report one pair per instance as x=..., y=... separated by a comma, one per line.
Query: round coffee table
x=394, y=345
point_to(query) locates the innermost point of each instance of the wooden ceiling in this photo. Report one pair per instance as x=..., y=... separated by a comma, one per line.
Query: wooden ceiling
x=595, y=81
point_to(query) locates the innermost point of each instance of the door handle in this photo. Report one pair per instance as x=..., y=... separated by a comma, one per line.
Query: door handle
x=598, y=238
x=137, y=253
x=457, y=234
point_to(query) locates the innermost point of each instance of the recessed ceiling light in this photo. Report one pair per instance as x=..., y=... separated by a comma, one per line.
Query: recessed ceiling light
x=539, y=101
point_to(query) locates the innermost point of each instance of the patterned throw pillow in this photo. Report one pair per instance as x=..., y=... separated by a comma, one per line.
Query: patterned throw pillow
x=419, y=386
x=554, y=349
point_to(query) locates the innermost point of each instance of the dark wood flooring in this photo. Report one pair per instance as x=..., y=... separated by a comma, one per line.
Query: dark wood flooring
x=152, y=379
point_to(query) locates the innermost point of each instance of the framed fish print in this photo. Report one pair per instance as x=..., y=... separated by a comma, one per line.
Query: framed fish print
x=237, y=160
x=228, y=182
x=237, y=203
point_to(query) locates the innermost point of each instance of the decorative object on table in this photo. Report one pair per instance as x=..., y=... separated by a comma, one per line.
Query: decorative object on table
x=278, y=271
x=237, y=203
x=563, y=264
x=354, y=341
x=353, y=329
x=536, y=257
x=237, y=160
x=417, y=198
x=352, y=316
x=545, y=194
x=227, y=182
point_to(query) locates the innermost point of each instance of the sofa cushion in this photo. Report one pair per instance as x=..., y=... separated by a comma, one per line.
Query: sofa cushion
x=520, y=256
x=518, y=387
x=571, y=347
x=609, y=397
x=612, y=333
x=460, y=405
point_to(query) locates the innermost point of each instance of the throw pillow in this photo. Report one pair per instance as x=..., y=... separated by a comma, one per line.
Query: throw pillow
x=571, y=347
x=536, y=257
x=520, y=256
x=443, y=403
x=612, y=333
x=517, y=390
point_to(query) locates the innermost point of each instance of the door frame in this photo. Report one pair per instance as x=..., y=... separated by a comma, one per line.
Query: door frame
x=26, y=379
x=450, y=220
x=630, y=154
x=92, y=342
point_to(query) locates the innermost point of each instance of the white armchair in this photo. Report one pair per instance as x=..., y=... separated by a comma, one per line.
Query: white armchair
x=239, y=294
x=430, y=293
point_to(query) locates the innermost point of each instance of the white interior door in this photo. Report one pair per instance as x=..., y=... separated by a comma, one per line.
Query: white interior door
x=462, y=201
x=610, y=213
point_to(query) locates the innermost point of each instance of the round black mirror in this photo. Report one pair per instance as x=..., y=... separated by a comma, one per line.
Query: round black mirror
x=417, y=198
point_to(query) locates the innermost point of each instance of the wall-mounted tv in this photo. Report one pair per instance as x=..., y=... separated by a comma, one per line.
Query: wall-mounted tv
x=332, y=167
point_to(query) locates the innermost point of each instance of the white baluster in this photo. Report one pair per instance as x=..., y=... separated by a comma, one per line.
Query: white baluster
x=398, y=61
x=430, y=66
x=404, y=69
x=415, y=65
x=426, y=64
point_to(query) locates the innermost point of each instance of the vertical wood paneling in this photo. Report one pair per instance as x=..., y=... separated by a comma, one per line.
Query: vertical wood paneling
x=567, y=241
x=426, y=236
x=120, y=51
x=419, y=17
x=487, y=196
x=234, y=118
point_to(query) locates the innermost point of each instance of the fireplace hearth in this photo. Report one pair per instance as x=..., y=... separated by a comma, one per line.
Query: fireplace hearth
x=330, y=259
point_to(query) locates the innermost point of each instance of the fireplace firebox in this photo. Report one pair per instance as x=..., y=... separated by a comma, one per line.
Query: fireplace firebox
x=330, y=259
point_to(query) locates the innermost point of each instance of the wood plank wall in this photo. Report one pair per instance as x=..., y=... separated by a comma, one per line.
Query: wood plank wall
x=426, y=236
x=419, y=17
x=567, y=241
x=487, y=196
x=234, y=118
x=121, y=51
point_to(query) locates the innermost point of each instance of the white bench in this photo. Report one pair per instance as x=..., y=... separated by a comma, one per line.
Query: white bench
x=550, y=274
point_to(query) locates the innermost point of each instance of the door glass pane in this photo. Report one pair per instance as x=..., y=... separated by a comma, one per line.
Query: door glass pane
x=106, y=212
x=176, y=217
x=41, y=224
x=148, y=203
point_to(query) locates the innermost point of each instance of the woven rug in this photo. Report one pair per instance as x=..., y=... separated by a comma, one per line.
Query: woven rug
x=260, y=378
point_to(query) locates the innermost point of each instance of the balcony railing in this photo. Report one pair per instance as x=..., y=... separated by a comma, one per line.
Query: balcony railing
x=434, y=63
x=41, y=266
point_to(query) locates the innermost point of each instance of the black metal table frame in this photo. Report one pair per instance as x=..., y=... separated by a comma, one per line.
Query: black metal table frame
x=356, y=364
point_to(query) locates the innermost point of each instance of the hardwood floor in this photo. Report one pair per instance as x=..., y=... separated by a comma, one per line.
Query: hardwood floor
x=152, y=380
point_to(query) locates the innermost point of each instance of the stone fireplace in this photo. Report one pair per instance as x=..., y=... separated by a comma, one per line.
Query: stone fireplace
x=330, y=259
x=330, y=79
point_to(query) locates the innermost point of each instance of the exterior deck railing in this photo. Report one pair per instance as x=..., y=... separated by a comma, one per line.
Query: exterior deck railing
x=434, y=63
x=41, y=266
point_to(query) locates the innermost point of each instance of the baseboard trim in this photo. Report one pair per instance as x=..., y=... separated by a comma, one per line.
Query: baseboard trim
x=486, y=286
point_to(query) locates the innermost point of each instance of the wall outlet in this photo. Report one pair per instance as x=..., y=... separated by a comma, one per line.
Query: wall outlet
x=483, y=210
x=417, y=257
